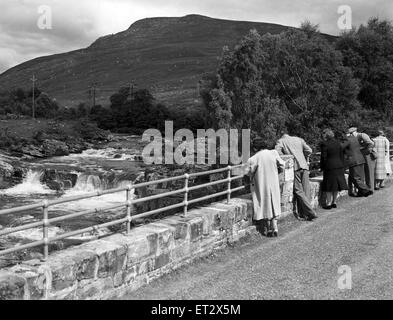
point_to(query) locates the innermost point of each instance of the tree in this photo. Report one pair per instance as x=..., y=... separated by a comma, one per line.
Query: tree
x=368, y=51
x=294, y=79
x=135, y=112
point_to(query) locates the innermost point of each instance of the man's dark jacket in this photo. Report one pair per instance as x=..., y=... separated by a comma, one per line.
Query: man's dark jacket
x=353, y=153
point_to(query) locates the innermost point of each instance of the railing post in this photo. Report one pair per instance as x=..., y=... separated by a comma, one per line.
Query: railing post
x=229, y=184
x=45, y=206
x=186, y=179
x=128, y=206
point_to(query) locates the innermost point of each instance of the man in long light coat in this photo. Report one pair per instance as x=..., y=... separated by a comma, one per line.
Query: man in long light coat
x=263, y=169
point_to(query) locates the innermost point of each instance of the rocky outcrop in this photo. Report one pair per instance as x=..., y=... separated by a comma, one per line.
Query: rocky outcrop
x=50, y=148
x=59, y=180
x=6, y=173
x=55, y=148
x=6, y=170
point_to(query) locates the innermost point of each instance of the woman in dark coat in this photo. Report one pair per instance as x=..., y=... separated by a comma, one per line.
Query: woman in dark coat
x=332, y=165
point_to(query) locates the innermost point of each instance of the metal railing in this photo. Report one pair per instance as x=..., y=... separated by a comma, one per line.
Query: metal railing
x=127, y=219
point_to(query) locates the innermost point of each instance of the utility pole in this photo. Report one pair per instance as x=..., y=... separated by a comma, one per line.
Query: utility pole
x=34, y=79
x=94, y=95
x=131, y=90
x=93, y=87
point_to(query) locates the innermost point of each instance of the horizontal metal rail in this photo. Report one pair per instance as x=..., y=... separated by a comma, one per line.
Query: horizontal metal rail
x=46, y=205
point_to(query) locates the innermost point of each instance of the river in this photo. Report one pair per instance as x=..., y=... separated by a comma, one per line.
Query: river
x=115, y=164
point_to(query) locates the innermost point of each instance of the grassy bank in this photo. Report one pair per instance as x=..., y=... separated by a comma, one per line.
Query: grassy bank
x=42, y=137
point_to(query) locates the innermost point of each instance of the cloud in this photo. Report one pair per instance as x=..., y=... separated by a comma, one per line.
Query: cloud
x=77, y=23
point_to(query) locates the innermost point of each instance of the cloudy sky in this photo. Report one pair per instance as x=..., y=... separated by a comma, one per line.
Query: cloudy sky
x=77, y=23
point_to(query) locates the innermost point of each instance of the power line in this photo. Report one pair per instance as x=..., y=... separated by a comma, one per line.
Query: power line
x=34, y=79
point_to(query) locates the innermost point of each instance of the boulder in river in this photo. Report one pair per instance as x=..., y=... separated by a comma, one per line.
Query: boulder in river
x=59, y=180
x=6, y=169
x=55, y=148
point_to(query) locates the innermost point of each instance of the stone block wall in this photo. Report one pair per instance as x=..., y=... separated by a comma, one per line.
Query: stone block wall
x=119, y=263
x=286, y=185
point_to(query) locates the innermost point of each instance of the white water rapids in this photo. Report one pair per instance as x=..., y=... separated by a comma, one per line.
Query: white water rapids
x=91, y=166
x=30, y=185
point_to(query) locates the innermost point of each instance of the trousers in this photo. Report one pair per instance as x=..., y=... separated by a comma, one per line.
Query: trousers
x=369, y=171
x=302, y=195
x=357, y=178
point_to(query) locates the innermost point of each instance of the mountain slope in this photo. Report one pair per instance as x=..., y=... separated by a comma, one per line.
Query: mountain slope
x=166, y=55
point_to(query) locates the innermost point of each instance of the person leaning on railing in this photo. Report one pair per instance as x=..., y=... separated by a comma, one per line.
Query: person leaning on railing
x=367, y=149
x=298, y=148
x=332, y=164
x=388, y=164
x=263, y=169
x=382, y=147
x=355, y=161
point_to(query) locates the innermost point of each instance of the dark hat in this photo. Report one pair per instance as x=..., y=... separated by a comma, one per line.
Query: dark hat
x=352, y=130
x=258, y=143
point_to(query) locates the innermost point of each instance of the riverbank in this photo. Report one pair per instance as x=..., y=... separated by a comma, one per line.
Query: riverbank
x=30, y=139
x=41, y=138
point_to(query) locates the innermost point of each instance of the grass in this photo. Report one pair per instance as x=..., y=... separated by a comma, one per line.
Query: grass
x=26, y=129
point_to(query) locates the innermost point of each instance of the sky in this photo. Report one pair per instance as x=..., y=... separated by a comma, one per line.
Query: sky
x=34, y=28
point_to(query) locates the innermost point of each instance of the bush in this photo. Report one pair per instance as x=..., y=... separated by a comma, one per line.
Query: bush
x=89, y=131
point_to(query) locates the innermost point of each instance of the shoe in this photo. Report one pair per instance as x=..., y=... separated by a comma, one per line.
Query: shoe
x=368, y=193
x=334, y=206
x=376, y=188
x=327, y=207
x=311, y=218
x=269, y=234
x=364, y=194
x=275, y=233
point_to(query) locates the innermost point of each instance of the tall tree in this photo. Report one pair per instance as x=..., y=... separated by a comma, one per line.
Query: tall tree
x=295, y=79
x=368, y=51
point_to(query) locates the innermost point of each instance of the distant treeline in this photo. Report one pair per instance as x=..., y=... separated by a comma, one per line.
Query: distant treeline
x=129, y=112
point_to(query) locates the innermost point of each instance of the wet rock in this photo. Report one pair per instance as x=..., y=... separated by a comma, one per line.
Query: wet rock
x=6, y=173
x=55, y=185
x=138, y=158
x=77, y=146
x=55, y=179
x=6, y=170
x=67, y=184
x=11, y=287
x=55, y=148
x=32, y=150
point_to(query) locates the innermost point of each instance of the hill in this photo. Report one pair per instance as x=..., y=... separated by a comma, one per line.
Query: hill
x=168, y=56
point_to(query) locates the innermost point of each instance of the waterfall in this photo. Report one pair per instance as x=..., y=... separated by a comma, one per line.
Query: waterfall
x=31, y=184
x=88, y=183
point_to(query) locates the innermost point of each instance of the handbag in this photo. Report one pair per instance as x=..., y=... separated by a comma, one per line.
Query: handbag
x=373, y=154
